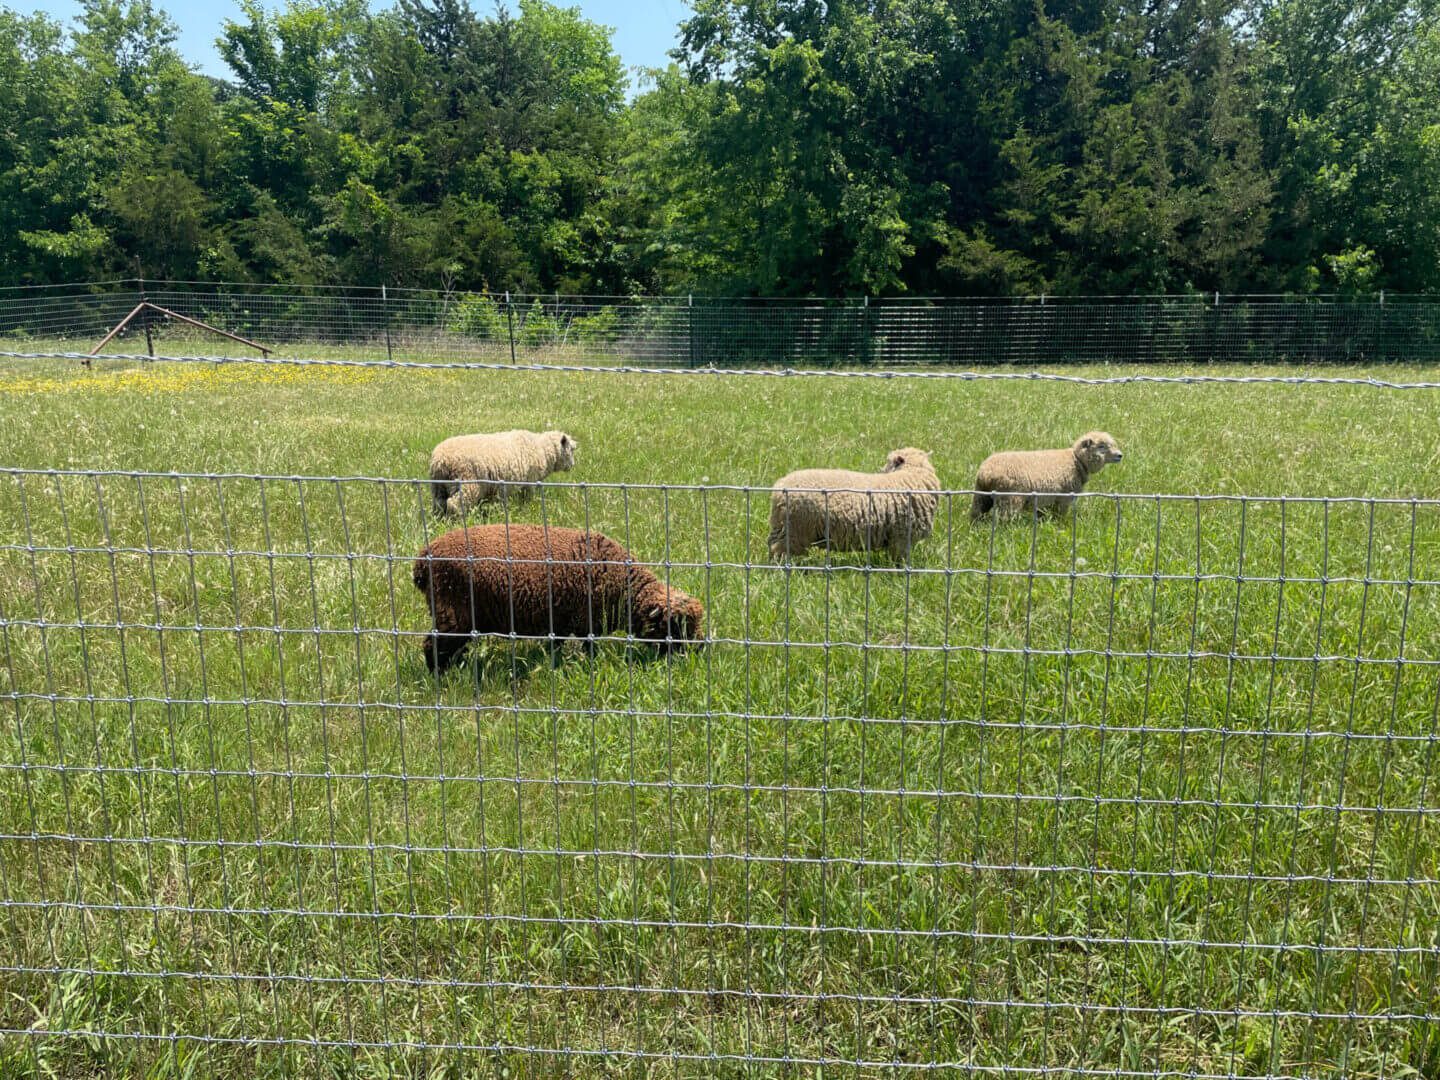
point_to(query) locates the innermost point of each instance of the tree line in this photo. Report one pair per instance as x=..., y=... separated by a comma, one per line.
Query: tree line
x=834, y=147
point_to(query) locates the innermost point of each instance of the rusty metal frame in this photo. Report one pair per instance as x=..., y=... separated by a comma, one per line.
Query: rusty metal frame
x=146, y=305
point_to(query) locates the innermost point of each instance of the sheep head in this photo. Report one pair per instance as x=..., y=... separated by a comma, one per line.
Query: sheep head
x=564, y=450
x=1096, y=449
x=907, y=457
x=668, y=617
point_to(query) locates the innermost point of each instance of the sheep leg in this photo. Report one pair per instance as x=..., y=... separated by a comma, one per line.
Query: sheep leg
x=466, y=496
x=981, y=505
x=440, y=497
x=1010, y=507
x=443, y=650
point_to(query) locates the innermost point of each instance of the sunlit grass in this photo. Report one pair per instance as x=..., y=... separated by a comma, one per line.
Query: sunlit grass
x=1122, y=815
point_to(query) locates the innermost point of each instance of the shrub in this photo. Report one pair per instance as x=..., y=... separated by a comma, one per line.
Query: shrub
x=602, y=328
x=538, y=328
x=477, y=315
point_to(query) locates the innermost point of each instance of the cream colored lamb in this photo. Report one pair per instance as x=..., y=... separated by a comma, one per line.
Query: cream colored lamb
x=853, y=511
x=1040, y=480
x=467, y=470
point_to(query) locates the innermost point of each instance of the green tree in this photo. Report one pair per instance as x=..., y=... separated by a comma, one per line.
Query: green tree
x=1347, y=97
x=161, y=217
x=801, y=151
x=859, y=146
x=45, y=233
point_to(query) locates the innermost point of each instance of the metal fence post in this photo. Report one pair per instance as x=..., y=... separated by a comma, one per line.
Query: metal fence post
x=1215, y=329
x=690, y=325
x=144, y=315
x=1044, y=326
x=1157, y=309
x=385, y=309
x=510, y=322
x=862, y=352
x=1382, y=350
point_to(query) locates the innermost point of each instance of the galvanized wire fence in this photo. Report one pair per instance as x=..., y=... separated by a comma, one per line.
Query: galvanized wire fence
x=416, y=325
x=1141, y=791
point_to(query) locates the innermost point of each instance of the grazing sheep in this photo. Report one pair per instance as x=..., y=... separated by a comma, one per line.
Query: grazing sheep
x=539, y=581
x=470, y=469
x=1052, y=475
x=854, y=511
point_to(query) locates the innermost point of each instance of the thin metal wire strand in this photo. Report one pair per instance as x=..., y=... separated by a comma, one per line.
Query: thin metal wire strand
x=1026, y=652
x=512, y=491
x=747, y=859
x=641, y=991
x=785, y=372
x=625, y=1053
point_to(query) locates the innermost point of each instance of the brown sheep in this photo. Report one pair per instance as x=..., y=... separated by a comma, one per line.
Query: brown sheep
x=544, y=582
x=1045, y=479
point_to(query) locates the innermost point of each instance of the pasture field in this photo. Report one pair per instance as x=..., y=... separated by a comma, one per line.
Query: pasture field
x=1148, y=791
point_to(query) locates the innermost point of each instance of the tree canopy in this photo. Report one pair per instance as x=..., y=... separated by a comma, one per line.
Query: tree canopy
x=792, y=147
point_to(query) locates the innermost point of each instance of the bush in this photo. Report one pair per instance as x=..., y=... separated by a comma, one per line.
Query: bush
x=477, y=315
x=602, y=328
x=538, y=328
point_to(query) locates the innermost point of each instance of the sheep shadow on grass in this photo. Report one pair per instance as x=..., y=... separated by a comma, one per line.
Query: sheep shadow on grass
x=498, y=659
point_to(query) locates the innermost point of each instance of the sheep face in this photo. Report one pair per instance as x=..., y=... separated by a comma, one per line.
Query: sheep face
x=898, y=459
x=670, y=618
x=1096, y=449
x=565, y=451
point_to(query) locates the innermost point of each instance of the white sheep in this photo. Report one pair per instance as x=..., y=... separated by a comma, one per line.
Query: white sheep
x=1046, y=480
x=843, y=510
x=467, y=470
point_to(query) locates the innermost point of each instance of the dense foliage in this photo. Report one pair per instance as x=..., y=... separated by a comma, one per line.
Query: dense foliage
x=795, y=146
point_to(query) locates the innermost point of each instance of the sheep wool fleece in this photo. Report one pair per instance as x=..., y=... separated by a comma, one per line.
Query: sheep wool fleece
x=1053, y=476
x=853, y=511
x=544, y=582
x=467, y=470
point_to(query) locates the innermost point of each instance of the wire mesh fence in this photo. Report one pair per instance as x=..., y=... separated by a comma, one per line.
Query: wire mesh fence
x=415, y=324
x=1145, y=790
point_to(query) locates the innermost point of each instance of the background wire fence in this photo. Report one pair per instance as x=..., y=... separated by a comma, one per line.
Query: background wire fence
x=1144, y=792
x=411, y=324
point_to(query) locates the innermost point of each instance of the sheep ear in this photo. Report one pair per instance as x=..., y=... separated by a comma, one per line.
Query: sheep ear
x=1085, y=444
x=565, y=440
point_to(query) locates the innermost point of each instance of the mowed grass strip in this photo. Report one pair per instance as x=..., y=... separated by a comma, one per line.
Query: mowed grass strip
x=1147, y=790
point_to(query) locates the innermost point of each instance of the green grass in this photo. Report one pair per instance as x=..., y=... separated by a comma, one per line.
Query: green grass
x=316, y=843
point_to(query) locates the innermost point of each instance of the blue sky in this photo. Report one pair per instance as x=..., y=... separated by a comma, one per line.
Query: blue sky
x=644, y=29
